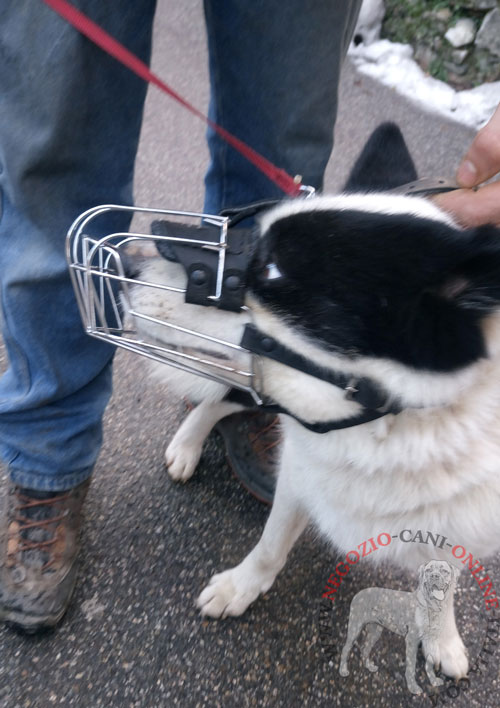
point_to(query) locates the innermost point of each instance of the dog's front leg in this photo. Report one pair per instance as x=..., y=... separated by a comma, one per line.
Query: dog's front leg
x=231, y=592
x=412, y=641
x=431, y=674
x=452, y=654
x=184, y=452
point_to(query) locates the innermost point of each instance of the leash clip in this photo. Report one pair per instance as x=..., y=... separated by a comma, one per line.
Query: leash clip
x=307, y=191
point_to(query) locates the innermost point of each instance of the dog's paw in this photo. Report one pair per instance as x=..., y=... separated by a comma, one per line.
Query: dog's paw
x=414, y=688
x=181, y=458
x=371, y=666
x=228, y=594
x=453, y=655
x=343, y=670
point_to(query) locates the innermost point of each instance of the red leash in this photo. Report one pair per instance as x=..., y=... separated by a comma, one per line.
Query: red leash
x=103, y=40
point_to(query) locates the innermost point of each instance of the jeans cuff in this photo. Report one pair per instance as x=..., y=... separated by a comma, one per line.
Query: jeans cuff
x=46, y=483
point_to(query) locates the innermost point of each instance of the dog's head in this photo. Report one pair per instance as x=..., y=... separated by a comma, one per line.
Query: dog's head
x=380, y=285
x=436, y=580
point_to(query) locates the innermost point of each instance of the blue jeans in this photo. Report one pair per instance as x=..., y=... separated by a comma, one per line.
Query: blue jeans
x=70, y=118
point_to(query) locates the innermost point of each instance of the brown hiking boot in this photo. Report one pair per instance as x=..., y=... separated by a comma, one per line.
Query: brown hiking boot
x=252, y=444
x=38, y=549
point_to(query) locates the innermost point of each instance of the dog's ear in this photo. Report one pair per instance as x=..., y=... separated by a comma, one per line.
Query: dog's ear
x=384, y=163
x=447, y=330
x=421, y=573
x=475, y=282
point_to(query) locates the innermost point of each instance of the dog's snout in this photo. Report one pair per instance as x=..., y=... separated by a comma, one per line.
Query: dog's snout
x=134, y=257
x=131, y=264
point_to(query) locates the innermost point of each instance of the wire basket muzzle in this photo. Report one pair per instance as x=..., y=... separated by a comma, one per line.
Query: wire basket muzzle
x=133, y=295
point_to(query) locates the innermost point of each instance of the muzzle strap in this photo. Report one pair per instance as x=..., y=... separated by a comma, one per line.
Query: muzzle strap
x=374, y=401
x=360, y=390
x=269, y=406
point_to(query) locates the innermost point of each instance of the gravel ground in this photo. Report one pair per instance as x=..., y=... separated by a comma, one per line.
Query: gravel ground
x=132, y=636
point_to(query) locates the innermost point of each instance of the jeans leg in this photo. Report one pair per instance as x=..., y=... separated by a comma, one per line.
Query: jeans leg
x=69, y=126
x=274, y=71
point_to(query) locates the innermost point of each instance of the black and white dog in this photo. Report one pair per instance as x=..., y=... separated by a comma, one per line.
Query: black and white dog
x=378, y=286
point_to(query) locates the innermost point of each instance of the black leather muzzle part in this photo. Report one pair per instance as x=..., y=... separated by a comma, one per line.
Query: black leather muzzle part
x=201, y=263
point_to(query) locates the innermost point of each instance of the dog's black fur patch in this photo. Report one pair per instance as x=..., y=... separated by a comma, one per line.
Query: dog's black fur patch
x=395, y=286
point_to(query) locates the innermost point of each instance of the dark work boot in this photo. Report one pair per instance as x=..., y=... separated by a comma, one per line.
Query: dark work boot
x=38, y=549
x=252, y=443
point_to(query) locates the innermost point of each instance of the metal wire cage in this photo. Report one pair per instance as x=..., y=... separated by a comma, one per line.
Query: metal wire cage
x=106, y=295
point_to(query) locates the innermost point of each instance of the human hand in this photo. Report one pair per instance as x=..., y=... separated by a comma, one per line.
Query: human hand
x=481, y=162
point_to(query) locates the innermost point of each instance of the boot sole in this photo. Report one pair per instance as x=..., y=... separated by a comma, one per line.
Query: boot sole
x=242, y=463
x=20, y=622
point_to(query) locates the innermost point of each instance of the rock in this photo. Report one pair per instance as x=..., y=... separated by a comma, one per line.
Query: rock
x=484, y=61
x=443, y=15
x=457, y=69
x=462, y=33
x=369, y=22
x=425, y=56
x=459, y=55
x=484, y=4
x=488, y=36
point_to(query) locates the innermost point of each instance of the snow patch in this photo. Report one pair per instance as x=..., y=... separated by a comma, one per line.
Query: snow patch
x=393, y=65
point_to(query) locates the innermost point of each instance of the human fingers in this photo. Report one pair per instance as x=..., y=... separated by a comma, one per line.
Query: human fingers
x=472, y=208
x=482, y=160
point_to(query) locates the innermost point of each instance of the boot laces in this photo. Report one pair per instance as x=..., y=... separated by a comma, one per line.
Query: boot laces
x=37, y=521
x=265, y=439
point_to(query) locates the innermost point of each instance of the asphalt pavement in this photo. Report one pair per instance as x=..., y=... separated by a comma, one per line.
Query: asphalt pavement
x=132, y=636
